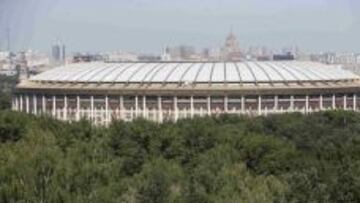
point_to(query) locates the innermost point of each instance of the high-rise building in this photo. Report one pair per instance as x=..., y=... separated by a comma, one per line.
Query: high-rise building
x=63, y=55
x=231, y=50
x=55, y=53
x=58, y=54
x=22, y=66
x=165, y=56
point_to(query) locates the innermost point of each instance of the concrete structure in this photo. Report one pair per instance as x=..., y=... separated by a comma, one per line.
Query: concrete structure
x=182, y=53
x=58, y=54
x=162, y=91
x=119, y=56
x=231, y=50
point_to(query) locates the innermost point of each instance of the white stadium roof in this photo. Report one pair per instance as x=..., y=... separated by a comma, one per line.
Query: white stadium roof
x=196, y=72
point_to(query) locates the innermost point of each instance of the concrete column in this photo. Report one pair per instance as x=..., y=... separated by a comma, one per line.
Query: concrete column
x=209, y=105
x=43, y=104
x=242, y=104
x=12, y=103
x=345, y=102
x=136, y=106
x=333, y=101
x=27, y=104
x=92, y=115
x=259, y=105
x=192, y=106
x=54, y=106
x=144, y=112
x=306, y=103
x=35, y=104
x=77, y=108
x=292, y=103
x=65, y=108
x=17, y=103
x=176, y=110
x=122, y=110
x=160, y=113
x=276, y=102
x=16, y=107
x=321, y=102
x=21, y=103
x=226, y=102
x=354, y=102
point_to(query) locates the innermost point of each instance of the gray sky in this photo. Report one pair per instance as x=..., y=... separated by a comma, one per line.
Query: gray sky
x=146, y=26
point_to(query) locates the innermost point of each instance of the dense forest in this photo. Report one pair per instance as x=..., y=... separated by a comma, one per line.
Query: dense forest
x=7, y=85
x=281, y=158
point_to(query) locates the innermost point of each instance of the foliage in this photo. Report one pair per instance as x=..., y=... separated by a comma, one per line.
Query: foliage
x=280, y=158
x=7, y=85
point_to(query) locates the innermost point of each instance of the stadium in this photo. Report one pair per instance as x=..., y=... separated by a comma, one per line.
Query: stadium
x=168, y=91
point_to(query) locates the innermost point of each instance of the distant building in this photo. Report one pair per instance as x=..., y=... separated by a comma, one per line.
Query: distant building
x=231, y=50
x=36, y=60
x=284, y=57
x=259, y=51
x=263, y=58
x=8, y=72
x=4, y=55
x=55, y=53
x=336, y=58
x=63, y=55
x=58, y=54
x=120, y=56
x=165, y=56
x=345, y=58
x=214, y=54
x=22, y=67
x=85, y=57
x=149, y=58
x=205, y=53
x=181, y=53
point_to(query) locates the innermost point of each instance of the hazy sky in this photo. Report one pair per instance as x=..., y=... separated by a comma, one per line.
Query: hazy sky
x=148, y=25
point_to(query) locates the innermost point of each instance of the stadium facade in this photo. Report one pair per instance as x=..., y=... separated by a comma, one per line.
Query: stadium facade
x=168, y=91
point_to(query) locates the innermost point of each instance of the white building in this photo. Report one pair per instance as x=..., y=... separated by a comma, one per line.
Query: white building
x=120, y=56
x=4, y=55
x=168, y=91
x=345, y=58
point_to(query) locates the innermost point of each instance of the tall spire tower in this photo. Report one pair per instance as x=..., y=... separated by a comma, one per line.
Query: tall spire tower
x=231, y=50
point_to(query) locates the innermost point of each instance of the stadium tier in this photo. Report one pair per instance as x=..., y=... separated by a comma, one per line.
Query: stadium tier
x=168, y=91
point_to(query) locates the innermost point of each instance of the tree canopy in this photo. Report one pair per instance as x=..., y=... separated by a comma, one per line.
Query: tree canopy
x=279, y=158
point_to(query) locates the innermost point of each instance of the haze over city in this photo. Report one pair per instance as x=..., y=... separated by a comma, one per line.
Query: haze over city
x=147, y=26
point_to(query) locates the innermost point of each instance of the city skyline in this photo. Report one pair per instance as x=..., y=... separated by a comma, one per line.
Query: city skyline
x=144, y=27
